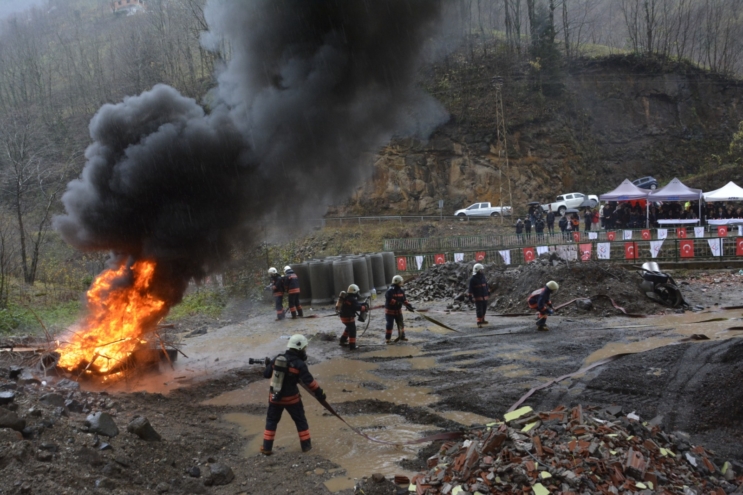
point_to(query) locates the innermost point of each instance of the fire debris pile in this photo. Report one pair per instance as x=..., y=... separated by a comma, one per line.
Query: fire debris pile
x=510, y=286
x=579, y=450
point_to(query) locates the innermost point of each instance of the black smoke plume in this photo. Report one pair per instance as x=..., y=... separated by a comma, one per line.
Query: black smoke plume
x=312, y=89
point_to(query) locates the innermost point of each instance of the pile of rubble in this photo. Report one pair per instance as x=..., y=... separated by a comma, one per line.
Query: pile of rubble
x=579, y=450
x=510, y=286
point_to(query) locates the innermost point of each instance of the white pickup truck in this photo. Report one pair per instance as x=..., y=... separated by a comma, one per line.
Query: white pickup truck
x=483, y=210
x=570, y=200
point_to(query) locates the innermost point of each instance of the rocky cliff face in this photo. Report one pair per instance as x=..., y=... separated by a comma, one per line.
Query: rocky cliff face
x=615, y=118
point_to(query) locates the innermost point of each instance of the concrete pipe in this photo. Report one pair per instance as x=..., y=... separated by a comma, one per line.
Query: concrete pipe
x=361, y=276
x=380, y=283
x=320, y=275
x=390, y=266
x=342, y=275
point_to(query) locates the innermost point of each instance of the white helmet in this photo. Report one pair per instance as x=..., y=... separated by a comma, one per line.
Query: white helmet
x=397, y=280
x=353, y=289
x=552, y=285
x=478, y=267
x=273, y=271
x=287, y=268
x=297, y=341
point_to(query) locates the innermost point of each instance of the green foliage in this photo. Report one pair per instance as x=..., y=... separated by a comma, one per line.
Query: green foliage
x=208, y=302
x=21, y=319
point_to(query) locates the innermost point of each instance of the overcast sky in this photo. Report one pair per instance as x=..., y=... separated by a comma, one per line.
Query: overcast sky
x=11, y=6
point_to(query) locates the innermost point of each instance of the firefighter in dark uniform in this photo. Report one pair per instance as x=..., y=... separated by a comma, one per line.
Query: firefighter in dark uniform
x=348, y=305
x=394, y=300
x=478, y=293
x=291, y=284
x=277, y=286
x=540, y=300
x=285, y=371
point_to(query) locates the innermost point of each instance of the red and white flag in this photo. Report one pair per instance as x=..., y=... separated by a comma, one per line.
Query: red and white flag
x=480, y=256
x=722, y=231
x=402, y=264
x=646, y=235
x=681, y=232
x=630, y=251
x=529, y=255
x=687, y=249
x=611, y=235
x=439, y=259
x=585, y=252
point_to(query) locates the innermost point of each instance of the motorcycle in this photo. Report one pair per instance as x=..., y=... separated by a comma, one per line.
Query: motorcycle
x=659, y=286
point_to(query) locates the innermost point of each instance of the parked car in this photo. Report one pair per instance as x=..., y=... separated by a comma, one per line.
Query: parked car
x=569, y=200
x=646, y=183
x=483, y=210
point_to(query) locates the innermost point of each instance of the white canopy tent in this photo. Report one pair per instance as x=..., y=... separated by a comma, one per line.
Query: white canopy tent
x=677, y=191
x=627, y=191
x=729, y=192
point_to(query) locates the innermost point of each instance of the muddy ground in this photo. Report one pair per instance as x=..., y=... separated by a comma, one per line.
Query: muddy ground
x=209, y=409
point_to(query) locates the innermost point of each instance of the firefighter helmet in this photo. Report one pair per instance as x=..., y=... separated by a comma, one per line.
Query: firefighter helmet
x=298, y=342
x=477, y=268
x=286, y=269
x=397, y=280
x=552, y=285
x=353, y=289
x=273, y=271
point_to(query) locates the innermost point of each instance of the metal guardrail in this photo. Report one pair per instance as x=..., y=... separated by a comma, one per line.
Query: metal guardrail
x=407, y=219
x=671, y=251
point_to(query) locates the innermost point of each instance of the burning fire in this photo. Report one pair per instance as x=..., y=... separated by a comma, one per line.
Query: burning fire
x=121, y=313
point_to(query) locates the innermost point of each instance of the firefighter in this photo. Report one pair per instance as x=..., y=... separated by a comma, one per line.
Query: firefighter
x=540, y=300
x=479, y=292
x=286, y=370
x=277, y=286
x=348, y=305
x=291, y=283
x=394, y=300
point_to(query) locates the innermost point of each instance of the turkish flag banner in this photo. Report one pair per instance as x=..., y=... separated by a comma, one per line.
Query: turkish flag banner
x=480, y=256
x=722, y=231
x=630, y=251
x=585, y=252
x=681, y=232
x=646, y=235
x=529, y=255
x=687, y=249
x=439, y=259
x=739, y=246
x=402, y=264
x=576, y=236
x=611, y=235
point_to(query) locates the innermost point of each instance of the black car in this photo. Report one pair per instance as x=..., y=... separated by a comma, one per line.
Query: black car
x=646, y=183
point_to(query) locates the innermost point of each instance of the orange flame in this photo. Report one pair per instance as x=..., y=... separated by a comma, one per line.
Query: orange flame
x=121, y=313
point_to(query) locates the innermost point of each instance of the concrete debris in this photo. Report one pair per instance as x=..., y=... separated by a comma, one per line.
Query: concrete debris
x=574, y=451
x=219, y=474
x=102, y=423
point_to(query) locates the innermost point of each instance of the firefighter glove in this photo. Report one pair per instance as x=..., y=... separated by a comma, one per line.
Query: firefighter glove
x=550, y=311
x=320, y=395
x=410, y=307
x=267, y=361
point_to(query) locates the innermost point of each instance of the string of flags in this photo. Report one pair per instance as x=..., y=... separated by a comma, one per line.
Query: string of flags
x=584, y=251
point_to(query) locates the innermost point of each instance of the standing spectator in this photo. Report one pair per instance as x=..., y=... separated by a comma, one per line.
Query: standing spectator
x=587, y=220
x=563, y=224
x=601, y=216
x=575, y=223
x=539, y=229
x=551, y=221
x=520, y=231
x=595, y=218
x=527, y=227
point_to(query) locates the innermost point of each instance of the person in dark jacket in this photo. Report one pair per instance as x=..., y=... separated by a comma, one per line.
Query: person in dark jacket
x=527, y=227
x=291, y=283
x=587, y=220
x=286, y=371
x=563, y=224
x=540, y=300
x=394, y=300
x=520, y=230
x=539, y=229
x=348, y=305
x=551, y=221
x=277, y=288
x=479, y=292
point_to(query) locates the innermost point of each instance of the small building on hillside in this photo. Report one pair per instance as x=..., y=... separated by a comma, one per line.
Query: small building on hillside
x=127, y=7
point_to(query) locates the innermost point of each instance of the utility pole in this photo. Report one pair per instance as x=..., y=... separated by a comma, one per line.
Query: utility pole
x=500, y=130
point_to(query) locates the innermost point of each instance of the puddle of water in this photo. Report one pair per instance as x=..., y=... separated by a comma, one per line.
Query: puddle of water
x=342, y=380
x=465, y=418
x=334, y=441
x=678, y=326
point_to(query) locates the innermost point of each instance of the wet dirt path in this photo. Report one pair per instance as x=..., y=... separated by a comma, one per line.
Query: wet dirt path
x=437, y=380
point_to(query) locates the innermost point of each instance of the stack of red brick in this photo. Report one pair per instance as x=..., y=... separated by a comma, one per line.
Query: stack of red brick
x=575, y=451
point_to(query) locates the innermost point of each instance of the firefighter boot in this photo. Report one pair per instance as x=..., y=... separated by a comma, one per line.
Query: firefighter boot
x=294, y=315
x=306, y=445
x=343, y=340
x=403, y=337
x=300, y=313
